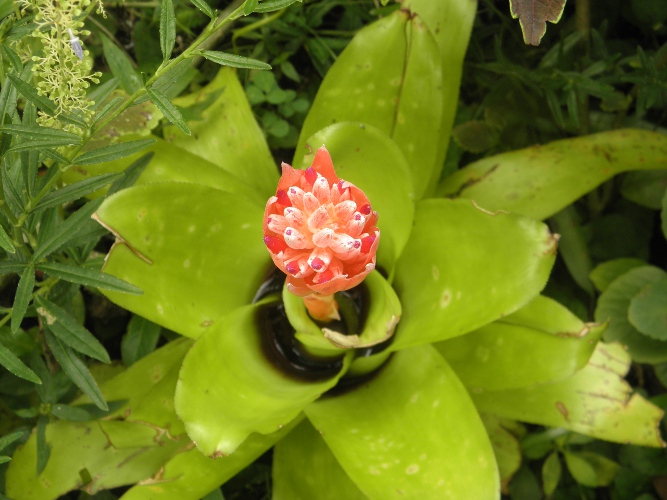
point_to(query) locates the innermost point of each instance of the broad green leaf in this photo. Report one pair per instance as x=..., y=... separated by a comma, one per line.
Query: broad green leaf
x=591, y=469
x=194, y=262
x=113, y=152
x=62, y=233
x=645, y=188
x=170, y=111
x=167, y=29
x=411, y=428
x=141, y=338
x=22, y=297
x=395, y=89
x=41, y=133
x=506, y=447
x=76, y=447
x=66, y=329
x=604, y=274
x=648, y=310
x=533, y=16
x=596, y=401
x=551, y=473
x=228, y=135
x=75, y=369
x=73, y=413
x=233, y=60
x=494, y=356
x=15, y=366
x=366, y=157
x=541, y=180
x=76, y=191
x=304, y=467
x=190, y=474
x=229, y=388
x=613, y=306
x=6, y=242
x=204, y=7
x=87, y=276
x=120, y=66
x=464, y=267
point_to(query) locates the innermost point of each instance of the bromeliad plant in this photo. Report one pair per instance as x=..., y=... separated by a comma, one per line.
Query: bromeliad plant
x=398, y=386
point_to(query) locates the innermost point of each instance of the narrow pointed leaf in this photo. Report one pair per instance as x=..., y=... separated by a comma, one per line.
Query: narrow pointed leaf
x=533, y=16
x=542, y=180
x=228, y=388
x=102, y=91
x=43, y=448
x=113, y=152
x=76, y=191
x=10, y=438
x=67, y=330
x=29, y=92
x=272, y=5
x=37, y=132
x=7, y=267
x=72, y=413
x=121, y=67
x=498, y=263
x=22, y=298
x=75, y=369
x=595, y=401
x=141, y=338
x=54, y=155
x=106, y=109
x=62, y=233
x=233, y=60
x=131, y=174
x=87, y=276
x=15, y=366
x=427, y=440
x=39, y=144
x=249, y=7
x=204, y=7
x=167, y=28
x=6, y=242
x=170, y=111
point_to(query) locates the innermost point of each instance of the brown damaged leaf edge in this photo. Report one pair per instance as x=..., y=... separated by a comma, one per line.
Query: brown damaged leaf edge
x=119, y=241
x=533, y=16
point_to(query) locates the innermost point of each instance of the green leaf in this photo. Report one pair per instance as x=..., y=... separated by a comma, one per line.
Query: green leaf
x=39, y=144
x=233, y=60
x=140, y=340
x=7, y=267
x=204, y=7
x=604, y=274
x=591, y=469
x=167, y=29
x=363, y=154
x=30, y=93
x=170, y=111
x=43, y=133
x=113, y=152
x=648, y=310
x=106, y=109
x=646, y=188
x=62, y=233
x=272, y=5
x=494, y=356
x=131, y=174
x=76, y=191
x=13, y=57
x=6, y=242
x=121, y=67
x=573, y=246
x=533, y=16
x=67, y=330
x=87, y=276
x=100, y=93
x=43, y=448
x=500, y=262
x=613, y=306
x=541, y=180
x=551, y=473
x=427, y=436
x=75, y=369
x=249, y=7
x=186, y=286
x=506, y=447
x=228, y=388
x=15, y=366
x=22, y=298
x=596, y=401
x=54, y=155
x=73, y=413
x=8, y=439
x=304, y=467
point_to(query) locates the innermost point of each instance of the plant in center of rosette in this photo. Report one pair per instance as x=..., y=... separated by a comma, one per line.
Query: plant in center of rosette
x=321, y=232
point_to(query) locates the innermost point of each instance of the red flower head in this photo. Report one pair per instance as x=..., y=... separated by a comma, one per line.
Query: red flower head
x=320, y=230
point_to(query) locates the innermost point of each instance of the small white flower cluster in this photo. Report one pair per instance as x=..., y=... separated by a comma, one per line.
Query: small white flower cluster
x=62, y=67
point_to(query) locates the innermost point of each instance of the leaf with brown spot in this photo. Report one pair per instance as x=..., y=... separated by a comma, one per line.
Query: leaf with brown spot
x=533, y=16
